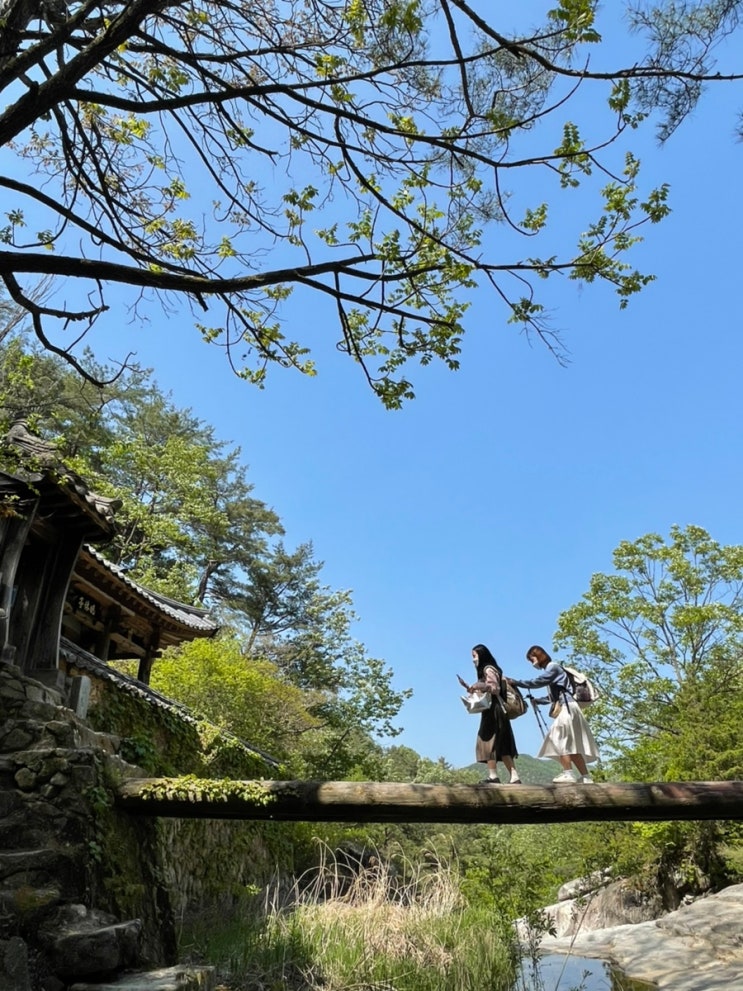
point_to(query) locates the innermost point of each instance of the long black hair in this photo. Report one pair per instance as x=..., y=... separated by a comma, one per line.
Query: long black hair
x=485, y=658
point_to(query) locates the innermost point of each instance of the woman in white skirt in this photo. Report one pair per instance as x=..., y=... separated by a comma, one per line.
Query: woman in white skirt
x=570, y=740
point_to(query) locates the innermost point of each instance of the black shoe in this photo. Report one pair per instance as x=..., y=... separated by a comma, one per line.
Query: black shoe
x=489, y=781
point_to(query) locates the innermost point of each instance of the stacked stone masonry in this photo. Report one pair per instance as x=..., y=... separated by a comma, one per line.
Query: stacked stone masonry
x=59, y=929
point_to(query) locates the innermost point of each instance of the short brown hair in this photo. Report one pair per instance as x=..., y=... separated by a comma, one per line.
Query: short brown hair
x=539, y=652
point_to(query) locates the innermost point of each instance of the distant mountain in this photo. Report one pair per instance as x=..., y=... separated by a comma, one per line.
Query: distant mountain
x=531, y=771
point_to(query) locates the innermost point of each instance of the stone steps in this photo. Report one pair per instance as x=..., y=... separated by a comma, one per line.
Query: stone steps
x=32, y=904
x=34, y=714
x=50, y=762
x=19, y=687
x=45, y=869
x=84, y=943
x=21, y=828
x=26, y=731
x=179, y=978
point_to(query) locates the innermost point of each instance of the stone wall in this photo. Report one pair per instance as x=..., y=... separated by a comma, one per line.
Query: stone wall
x=67, y=859
x=80, y=880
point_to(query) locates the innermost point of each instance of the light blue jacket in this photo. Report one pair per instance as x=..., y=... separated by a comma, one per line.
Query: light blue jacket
x=555, y=677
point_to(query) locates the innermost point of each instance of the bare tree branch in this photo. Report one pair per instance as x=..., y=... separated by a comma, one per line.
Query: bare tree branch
x=224, y=152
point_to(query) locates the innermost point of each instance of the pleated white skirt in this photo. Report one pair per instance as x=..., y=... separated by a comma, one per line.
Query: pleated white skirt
x=570, y=734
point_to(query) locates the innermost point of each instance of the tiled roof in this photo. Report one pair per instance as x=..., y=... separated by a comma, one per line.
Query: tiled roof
x=192, y=616
x=40, y=460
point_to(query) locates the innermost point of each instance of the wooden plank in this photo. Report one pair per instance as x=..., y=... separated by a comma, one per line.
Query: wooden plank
x=371, y=801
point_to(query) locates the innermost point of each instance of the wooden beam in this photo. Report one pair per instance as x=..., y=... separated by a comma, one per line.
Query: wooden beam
x=371, y=801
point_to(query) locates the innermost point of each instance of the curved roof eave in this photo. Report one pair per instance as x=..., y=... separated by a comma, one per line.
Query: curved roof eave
x=193, y=618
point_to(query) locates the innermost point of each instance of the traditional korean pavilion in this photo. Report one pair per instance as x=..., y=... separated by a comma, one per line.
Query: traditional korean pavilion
x=56, y=589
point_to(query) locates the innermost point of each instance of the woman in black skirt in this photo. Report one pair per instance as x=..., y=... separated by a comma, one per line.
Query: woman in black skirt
x=495, y=740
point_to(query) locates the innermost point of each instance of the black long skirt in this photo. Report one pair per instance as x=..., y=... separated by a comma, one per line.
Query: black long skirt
x=495, y=738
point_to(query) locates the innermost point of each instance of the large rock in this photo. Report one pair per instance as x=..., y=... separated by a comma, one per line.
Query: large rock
x=178, y=978
x=613, y=904
x=584, y=885
x=82, y=942
x=698, y=947
x=14, y=972
x=46, y=869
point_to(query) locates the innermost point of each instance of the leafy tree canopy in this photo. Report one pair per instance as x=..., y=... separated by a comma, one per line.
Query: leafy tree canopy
x=228, y=154
x=189, y=524
x=664, y=636
x=251, y=700
x=190, y=527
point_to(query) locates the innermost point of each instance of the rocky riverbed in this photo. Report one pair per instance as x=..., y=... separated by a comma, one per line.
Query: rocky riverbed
x=699, y=947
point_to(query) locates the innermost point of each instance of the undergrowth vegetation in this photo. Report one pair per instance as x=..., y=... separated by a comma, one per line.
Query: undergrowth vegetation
x=378, y=928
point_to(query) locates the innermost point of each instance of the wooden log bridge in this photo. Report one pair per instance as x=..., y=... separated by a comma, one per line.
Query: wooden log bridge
x=369, y=801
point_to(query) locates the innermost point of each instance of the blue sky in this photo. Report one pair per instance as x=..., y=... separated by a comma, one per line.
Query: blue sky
x=479, y=512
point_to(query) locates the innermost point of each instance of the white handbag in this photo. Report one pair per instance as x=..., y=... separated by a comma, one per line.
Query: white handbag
x=477, y=701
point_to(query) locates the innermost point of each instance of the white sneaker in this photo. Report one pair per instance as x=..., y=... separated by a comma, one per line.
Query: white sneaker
x=566, y=778
x=586, y=779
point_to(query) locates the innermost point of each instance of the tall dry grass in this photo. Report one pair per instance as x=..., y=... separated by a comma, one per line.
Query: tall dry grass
x=378, y=928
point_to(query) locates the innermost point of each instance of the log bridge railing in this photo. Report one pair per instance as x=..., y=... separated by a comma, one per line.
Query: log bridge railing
x=368, y=801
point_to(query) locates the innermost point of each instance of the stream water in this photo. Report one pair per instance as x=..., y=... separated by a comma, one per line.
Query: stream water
x=557, y=972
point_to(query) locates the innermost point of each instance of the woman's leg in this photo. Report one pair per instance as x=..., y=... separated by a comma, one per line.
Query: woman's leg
x=580, y=764
x=511, y=768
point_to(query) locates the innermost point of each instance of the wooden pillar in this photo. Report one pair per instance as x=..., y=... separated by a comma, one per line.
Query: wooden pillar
x=29, y=579
x=145, y=664
x=43, y=641
x=110, y=622
x=38, y=554
x=15, y=524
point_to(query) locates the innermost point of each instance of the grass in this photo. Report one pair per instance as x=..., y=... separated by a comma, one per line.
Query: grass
x=374, y=929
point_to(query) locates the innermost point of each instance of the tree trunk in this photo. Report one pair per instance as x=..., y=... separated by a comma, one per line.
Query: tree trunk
x=367, y=801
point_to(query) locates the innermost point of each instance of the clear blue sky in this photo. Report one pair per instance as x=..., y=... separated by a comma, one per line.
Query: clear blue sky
x=480, y=511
